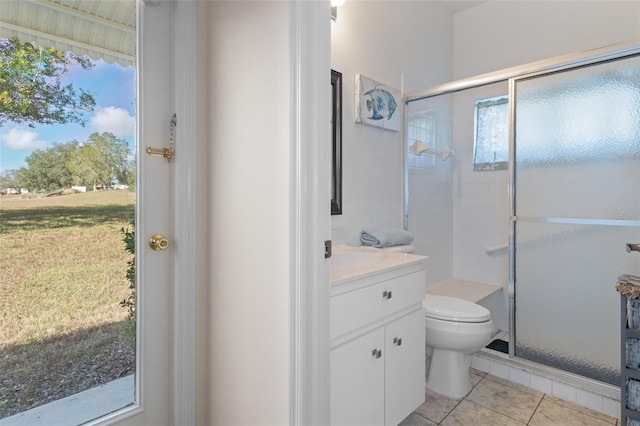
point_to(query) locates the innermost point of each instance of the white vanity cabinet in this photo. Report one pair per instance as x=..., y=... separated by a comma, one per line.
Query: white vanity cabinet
x=378, y=345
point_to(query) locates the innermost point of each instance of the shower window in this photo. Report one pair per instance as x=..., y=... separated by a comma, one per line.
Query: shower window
x=491, y=147
x=421, y=127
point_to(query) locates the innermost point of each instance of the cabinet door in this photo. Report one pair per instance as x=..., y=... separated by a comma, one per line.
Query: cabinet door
x=357, y=381
x=405, y=369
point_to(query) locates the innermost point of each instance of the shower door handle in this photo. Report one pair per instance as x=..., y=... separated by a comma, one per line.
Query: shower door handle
x=633, y=247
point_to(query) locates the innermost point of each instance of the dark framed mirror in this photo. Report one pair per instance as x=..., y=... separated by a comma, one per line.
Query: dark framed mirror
x=336, y=163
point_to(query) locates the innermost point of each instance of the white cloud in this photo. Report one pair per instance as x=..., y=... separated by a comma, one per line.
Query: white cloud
x=23, y=139
x=114, y=120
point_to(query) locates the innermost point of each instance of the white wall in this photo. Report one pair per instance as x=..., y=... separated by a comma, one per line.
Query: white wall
x=502, y=34
x=383, y=40
x=245, y=76
x=262, y=136
x=248, y=183
x=497, y=35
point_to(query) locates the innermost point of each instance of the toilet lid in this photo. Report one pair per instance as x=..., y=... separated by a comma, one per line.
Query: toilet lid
x=453, y=309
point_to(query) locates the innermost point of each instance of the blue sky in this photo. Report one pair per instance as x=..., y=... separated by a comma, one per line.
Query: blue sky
x=113, y=88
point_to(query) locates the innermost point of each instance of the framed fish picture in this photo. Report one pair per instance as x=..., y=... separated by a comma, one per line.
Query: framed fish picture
x=377, y=104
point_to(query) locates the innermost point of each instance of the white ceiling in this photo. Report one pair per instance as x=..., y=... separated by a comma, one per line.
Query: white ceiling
x=100, y=29
x=97, y=28
x=460, y=5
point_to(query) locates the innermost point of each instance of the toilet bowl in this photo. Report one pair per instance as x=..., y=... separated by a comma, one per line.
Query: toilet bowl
x=454, y=328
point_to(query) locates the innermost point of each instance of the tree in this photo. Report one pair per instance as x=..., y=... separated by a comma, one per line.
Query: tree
x=31, y=89
x=100, y=161
x=11, y=179
x=47, y=169
x=97, y=162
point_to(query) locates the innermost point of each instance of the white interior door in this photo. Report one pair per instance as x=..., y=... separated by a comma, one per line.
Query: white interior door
x=153, y=268
x=149, y=403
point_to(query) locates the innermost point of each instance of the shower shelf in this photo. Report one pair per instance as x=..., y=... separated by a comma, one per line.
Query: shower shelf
x=630, y=377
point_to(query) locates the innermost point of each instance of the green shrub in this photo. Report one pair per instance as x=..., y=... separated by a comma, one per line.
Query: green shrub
x=129, y=239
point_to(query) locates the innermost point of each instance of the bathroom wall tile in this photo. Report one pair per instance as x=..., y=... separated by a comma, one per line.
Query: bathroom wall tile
x=499, y=370
x=589, y=400
x=563, y=391
x=468, y=413
x=549, y=413
x=506, y=400
x=519, y=376
x=611, y=407
x=480, y=363
x=540, y=383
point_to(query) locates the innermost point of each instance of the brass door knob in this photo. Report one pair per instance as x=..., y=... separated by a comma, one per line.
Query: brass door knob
x=158, y=242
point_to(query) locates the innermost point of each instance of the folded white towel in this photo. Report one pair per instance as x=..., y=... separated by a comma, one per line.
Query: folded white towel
x=402, y=248
x=385, y=237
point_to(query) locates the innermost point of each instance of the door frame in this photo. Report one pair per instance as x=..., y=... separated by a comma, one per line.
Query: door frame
x=310, y=210
x=309, y=33
x=183, y=328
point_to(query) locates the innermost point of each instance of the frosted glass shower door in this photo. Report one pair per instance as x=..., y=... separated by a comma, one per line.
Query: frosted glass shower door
x=576, y=181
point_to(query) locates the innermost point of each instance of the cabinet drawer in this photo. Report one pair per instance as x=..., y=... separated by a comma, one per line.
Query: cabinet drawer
x=365, y=305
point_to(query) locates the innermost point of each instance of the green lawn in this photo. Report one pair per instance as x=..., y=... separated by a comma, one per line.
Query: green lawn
x=62, y=277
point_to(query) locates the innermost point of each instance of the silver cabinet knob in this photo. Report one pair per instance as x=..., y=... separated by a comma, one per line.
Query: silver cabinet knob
x=397, y=341
x=386, y=295
x=376, y=353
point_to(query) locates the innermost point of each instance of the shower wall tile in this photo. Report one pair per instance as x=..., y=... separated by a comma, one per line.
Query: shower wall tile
x=499, y=369
x=519, y=376
x=611, y=407
x=564, y=391
x=589, y=400
x=480, y=363
x=480, y=220
x=540, y=383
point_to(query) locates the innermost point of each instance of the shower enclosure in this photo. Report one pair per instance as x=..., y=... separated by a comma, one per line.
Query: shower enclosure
x=567, y=205
x=576, y=175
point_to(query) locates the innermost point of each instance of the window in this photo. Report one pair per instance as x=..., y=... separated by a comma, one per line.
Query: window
x=421, y=127
x=491, y=150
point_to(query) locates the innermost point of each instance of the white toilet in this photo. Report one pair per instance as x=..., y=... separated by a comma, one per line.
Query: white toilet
x=455, y=328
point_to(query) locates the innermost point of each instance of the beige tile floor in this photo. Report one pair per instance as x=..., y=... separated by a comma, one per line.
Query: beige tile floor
x=496, y=402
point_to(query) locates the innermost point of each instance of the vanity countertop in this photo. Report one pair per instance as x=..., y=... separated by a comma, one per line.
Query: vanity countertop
x=349, y=263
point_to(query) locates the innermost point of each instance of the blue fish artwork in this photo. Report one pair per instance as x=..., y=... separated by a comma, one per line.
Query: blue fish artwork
x=381, y=104
x=376, y=104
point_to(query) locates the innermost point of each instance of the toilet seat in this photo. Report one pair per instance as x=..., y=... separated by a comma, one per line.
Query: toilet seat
x=452, y=309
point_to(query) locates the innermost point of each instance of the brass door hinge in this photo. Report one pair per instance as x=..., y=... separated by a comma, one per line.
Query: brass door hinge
x=167, y=153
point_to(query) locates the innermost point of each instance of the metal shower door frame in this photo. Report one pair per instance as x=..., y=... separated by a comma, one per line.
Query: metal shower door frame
x=511, y=75
x=601, y=56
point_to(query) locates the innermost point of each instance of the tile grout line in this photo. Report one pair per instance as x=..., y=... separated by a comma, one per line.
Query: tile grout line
x=463, y=399
x=536, y=409
x=458, y=403
x=453, y=409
